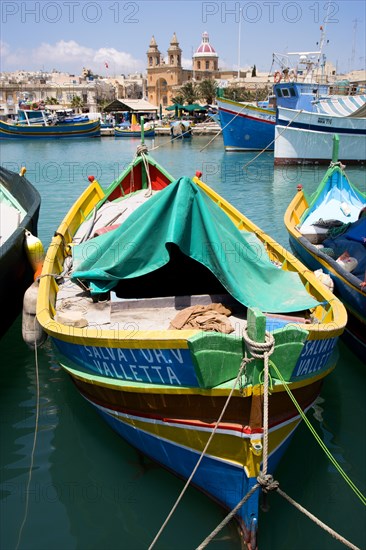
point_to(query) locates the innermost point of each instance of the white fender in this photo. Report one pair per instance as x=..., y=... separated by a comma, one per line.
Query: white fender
x=32, y=332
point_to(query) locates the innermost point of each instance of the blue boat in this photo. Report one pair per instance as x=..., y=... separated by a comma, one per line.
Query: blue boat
x=136, y=133
x=251, y=126
x=247, y=126
x=40, y=124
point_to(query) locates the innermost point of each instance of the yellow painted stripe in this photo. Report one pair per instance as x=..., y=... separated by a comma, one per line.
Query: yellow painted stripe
x=232, y=447
x=222, y=390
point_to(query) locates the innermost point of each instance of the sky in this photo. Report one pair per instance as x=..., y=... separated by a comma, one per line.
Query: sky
x=68, y=35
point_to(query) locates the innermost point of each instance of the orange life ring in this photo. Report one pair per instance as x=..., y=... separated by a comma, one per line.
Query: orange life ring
x=277, y=77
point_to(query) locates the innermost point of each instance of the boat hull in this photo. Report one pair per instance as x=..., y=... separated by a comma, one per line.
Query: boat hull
x=69, y=130
x=132, y=133
x=347, y=286
x=172, y=426
x=246, y=127
x=350, y=294
x=304, y=137
x=165, y=390
x=16, y=273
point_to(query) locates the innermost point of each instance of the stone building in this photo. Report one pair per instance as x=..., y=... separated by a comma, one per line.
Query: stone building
x=205, y=61
x=165, y=77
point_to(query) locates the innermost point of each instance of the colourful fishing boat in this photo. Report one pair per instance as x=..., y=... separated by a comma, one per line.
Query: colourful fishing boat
x=246, y=126
x=134, y=130
x=38, y=124
x=19, y=209
x=327, y=231
x=163, y=303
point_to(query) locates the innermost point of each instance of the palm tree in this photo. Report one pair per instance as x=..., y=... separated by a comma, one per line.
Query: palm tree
x=51, y=100
x=178, y=99
x=77, y=102
x=189, y=91
x=207, y=90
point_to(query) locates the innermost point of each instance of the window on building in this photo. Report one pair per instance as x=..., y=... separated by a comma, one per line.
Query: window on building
x=150, y=61
x=198, y=64
x=207, y=65
x=172, y=59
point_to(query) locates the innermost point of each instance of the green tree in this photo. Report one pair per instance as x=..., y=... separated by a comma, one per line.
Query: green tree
x=178, y=99
x=102, y=103
x=207, y=90
x=77, y=102
x=189, y=92
x=51, y=100
x=254, y=71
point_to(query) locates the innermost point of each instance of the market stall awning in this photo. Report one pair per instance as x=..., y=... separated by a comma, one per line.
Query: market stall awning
x=174, y=107
x=132, y=105
x=194, y=107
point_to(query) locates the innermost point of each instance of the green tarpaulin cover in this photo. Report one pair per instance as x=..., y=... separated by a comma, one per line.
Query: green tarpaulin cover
x=184, y=215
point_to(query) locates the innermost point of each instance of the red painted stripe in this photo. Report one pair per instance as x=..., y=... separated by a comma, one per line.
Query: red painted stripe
x=243, y=115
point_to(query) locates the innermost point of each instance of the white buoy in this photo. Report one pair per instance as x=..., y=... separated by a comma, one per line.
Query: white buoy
x=32, y=332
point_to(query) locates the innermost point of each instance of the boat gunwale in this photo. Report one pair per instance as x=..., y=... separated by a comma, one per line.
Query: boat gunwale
x=163, y=338
x=299, y=202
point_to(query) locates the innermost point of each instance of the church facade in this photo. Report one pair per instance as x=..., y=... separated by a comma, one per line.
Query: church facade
x=165, y=77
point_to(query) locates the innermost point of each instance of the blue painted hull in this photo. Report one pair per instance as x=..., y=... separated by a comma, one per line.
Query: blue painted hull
x=224, y=482
x=354, y=301
x=69, y=130
x=243, y=132
x=131, y=133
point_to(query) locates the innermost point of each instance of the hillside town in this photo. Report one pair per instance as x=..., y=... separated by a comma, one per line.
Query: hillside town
x=164, y=82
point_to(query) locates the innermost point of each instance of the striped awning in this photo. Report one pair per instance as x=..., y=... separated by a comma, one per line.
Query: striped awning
x=342, y=105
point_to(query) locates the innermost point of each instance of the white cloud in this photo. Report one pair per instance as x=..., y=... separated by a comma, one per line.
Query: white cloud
x=69, y=56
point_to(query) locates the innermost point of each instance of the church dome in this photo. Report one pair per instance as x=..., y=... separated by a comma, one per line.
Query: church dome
x=205, y=48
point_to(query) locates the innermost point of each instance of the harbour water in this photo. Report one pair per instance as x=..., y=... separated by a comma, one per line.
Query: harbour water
x=89, y=490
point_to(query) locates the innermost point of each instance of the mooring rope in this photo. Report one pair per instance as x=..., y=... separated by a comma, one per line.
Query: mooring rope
x=262, y=350
x=223, y=128
x=34, y=441
x=338, y=467
x=273, y=140
x=268, y=483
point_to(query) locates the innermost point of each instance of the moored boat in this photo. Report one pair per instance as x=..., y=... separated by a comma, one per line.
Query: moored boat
x=133, y=131
x=246, y=126
x=39, y=124
x=155, y=316
x=181, y=129
x=19, y=209
x=327, y=232
x=306, y=137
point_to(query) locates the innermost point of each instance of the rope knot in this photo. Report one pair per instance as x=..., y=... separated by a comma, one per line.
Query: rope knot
x=267, y=482
x=141, y=150
x=259, y=350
